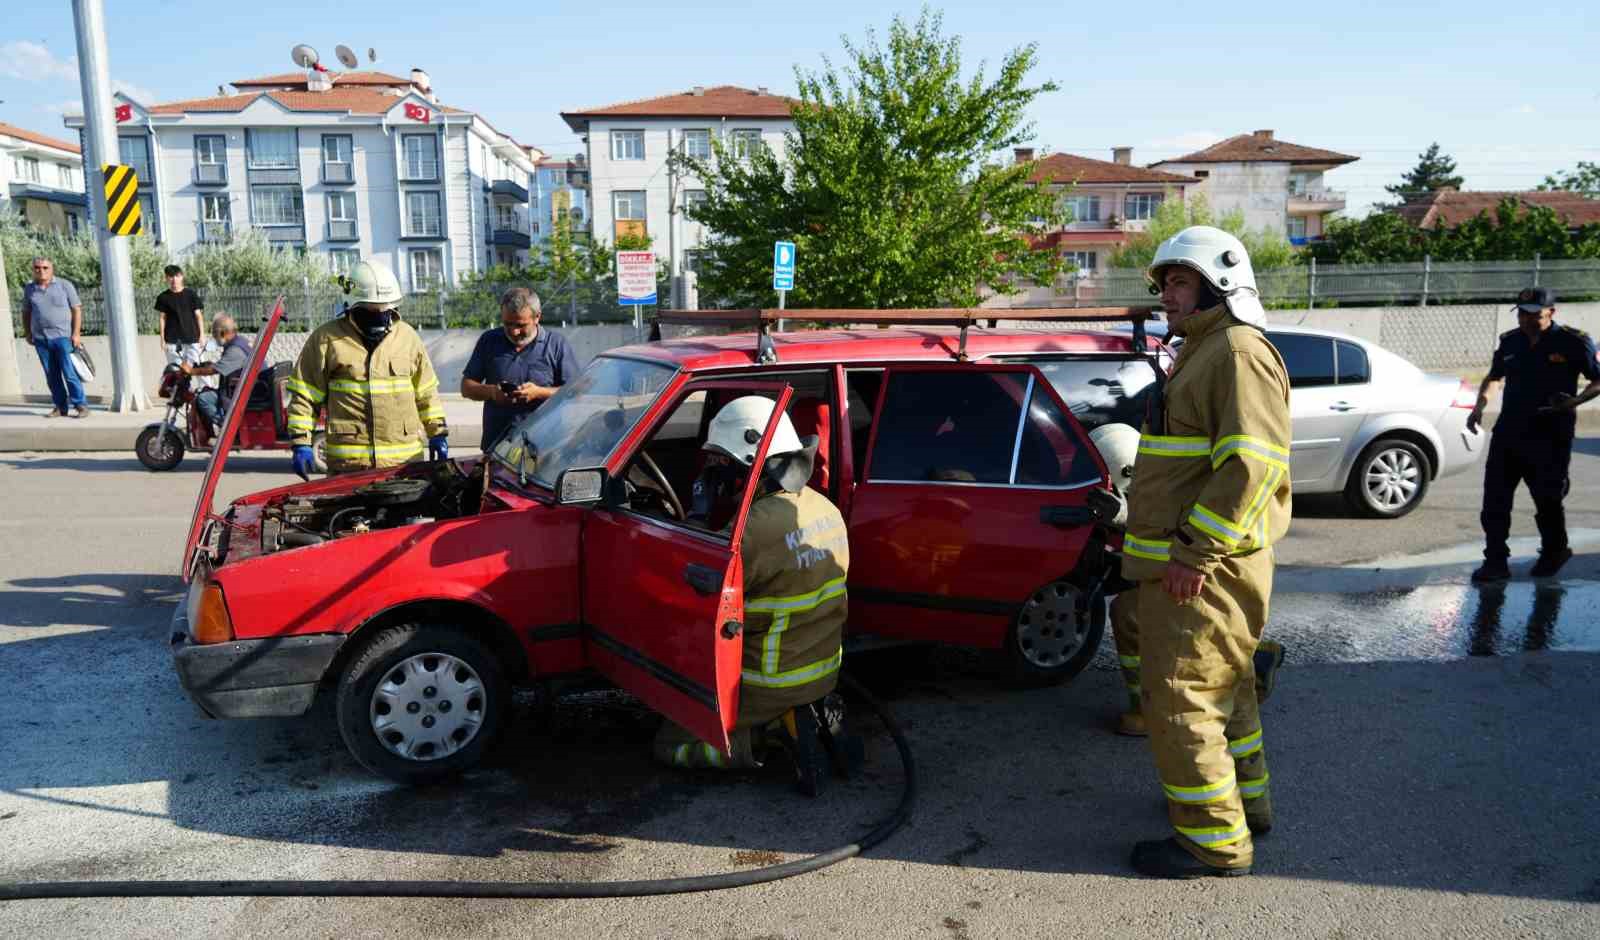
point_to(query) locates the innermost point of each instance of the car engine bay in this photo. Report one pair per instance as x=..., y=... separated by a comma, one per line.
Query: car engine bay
x=444, y=491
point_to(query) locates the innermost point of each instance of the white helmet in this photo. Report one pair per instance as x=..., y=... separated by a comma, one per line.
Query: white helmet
x=1219, y=258
x=373, y=284
x=736, y=430
x=1118, y=445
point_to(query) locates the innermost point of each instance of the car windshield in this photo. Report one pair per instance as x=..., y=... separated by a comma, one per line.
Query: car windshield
x=581, y=424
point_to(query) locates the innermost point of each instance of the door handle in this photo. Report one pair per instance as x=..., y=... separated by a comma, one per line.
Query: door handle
x=1066, y=515
x=704, y=580
x=1341, y=406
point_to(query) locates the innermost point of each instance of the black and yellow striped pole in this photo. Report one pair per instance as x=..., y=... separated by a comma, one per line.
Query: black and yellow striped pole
x=122, y=200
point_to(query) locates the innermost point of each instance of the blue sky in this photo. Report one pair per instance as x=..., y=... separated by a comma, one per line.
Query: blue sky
x=1511, y=91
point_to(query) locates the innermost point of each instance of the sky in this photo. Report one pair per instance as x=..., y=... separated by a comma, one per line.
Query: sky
x=1511, y=92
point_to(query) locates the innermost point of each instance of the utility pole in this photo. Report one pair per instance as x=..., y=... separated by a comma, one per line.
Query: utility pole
x=10, y=375
x=116, y=271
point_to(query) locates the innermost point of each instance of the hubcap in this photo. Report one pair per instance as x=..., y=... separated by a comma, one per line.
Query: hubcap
x=1049, y=630
x=428, y=706
x=1393, y=478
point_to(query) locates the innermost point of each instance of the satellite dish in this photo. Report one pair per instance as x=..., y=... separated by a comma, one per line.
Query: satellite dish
x=372, y=54
x=346, y=57
x=304, y=56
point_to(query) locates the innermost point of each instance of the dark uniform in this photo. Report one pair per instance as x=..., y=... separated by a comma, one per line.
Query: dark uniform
x=1529, y=445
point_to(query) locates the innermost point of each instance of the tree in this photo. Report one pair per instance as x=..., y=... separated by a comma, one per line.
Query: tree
x=1585, y=179
x=887, y=183
x=76, y=255
x=1434, y=171
x=1267, y=249
x=1514, y=231
x=249, y=260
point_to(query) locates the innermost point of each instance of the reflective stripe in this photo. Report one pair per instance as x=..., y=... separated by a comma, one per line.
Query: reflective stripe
x=1160, y=446
x=794, y=677
x=1134, y=688
x=712, y=755
x=1154, y=550
x=1246, y=446
x=1254, y=789
x=1210, y=793
x=680, y=755
x=781, y=608
x=1247, y=745
x=1129, y=662
x=432, y=413
x=1215, y=836
x=384, y=450
x=1219, y=527
x=1269, y=485
x=427, y=387
x=394, y=385
x=301, y=423
x=306, y=390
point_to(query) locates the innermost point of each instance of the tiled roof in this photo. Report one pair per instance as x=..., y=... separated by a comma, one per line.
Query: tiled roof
x=32, y=137
x=1448, y=208
x=340, y=78
x=352, y=100
x=1069, y=168
x=1260, y=147
x=718, y=101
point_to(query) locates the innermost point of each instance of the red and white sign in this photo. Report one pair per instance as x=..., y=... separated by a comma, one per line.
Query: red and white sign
x=636, y=278
x=417, y=112
x=124, y=113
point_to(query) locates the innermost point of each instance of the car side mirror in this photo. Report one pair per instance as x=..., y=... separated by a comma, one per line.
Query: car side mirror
x=581, y=486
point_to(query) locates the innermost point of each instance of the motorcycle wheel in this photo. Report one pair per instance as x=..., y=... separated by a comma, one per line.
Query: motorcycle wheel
x=159, y=448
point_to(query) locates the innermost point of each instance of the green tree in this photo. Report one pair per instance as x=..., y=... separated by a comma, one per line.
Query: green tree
x=76, y=256
x=1267, y=249
x=1514, y=231
x=886, y=185
x=1584, y=179
x=249, y=260
x=1434, y=171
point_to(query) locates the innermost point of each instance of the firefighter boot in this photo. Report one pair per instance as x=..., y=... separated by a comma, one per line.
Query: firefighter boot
x=1268, y=657
x=846, y=752
x=800, y=737
x=1165, y=858
x=1131, y=722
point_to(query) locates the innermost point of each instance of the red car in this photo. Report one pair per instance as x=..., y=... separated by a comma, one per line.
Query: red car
x=421, y=595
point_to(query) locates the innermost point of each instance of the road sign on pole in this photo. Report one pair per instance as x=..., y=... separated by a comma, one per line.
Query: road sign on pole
x=783, y=266
x=636, y=278
x=122, y=200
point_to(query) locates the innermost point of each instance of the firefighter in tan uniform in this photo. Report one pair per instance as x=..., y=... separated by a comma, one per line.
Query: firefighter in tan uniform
x=796, y=557
x=1210, y=499
x=371, y=371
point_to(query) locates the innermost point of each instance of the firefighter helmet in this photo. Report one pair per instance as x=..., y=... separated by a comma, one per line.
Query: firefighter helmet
x=372, y=284
x=1222, y=260
x=736, y=430
x=1119, y=447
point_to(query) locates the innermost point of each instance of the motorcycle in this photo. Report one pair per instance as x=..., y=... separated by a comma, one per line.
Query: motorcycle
x=161, y=445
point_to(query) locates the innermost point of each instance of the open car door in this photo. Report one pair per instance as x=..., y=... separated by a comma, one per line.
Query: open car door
x=230, y=431
x=663, y=598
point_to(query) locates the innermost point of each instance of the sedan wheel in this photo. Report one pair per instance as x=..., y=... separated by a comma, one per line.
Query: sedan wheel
x=1389, y=479
x=1055, y=634
x=427, y=707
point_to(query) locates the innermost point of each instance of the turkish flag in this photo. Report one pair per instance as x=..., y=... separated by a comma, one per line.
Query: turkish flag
x=417, y=112
x=124, y=113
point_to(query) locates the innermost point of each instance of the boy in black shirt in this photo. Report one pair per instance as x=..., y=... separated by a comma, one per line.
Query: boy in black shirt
x=182, y=318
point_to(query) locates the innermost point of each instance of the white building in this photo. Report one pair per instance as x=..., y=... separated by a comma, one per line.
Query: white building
x=41, y=179
x=560, y=194
x=635, y=192
x=1278, y=186
x=367, y=165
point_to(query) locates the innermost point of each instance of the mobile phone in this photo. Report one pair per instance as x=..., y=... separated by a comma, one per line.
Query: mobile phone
x=508, y=387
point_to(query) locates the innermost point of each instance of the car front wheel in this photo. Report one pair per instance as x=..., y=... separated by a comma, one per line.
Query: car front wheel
x=1055, y=634
x=1388, y=480
x=421, y=702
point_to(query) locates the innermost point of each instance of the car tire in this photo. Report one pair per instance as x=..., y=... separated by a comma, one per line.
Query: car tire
x=1054, y=634
x=1389, y=479
x=159, y=448
x=420, y=703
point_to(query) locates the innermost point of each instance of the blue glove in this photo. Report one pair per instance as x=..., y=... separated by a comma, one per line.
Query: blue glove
x=303, y=461
x=439, y=447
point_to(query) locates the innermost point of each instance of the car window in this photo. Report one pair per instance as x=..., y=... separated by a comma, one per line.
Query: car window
x=1353, y=366
x=863, y=386
x=1101, y=391
x=1308, y=358
x=945, y=426
x=1051, y=454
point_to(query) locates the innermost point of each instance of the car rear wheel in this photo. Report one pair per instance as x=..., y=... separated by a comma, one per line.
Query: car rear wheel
x=159, y=448
x=1055, y=634
x=421, y=702
x=1388, y=480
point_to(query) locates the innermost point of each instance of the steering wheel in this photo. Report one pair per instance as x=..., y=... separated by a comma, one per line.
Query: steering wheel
x=660, y=480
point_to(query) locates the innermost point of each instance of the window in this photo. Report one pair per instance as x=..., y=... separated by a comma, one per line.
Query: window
x=1201, y=174
x=745, y=142
x=697, y=144
x=343, y=260
x=948, y=427
x=210, y=158
x=427, y=267
x=627, y=145
x=505, y=217
x=421, y=156
x=135, y=152
x=26, y=168
x=1353, y=367
x=1309, y=358
x=338, y=152
x=342, y=216
x=66, y=176
x=277, y=205
x=628, y=205
x=215, y=215
x=693, y=199
x=558, y=177
x=1082, y=261
x=1049, y=453
x=1140, y=206
x=1296, y=227
x=1101, y=391
x=1084, y=208
x=74, y=223
x=422, y=214
x=147, y=214
x=272, y=148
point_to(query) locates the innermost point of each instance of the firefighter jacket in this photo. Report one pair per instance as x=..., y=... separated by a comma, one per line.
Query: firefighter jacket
x=377, y=399
x=1212, y=475
x=796, y=556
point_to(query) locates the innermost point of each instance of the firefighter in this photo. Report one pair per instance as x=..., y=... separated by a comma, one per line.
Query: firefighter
x=371, y=371
x=796, y=555
x=1212, y=497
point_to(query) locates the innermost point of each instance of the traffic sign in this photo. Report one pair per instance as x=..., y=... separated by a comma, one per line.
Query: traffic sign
x=636, y=278
x=783, y=266
x=122, y=199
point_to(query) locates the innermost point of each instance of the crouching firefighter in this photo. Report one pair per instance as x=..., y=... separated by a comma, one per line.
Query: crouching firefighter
x=1211, y=496
x=371, y=371
x=796, y=557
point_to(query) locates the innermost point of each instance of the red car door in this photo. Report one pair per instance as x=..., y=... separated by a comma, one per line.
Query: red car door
x=969, y=501
x=664, y=599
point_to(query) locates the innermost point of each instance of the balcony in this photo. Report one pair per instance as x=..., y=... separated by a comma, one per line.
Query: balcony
x=1316, y=201
x=510, y=238
x=211, y=174
x=214, y=232
x=338, y=173
x=342, y=230
x=510, y=189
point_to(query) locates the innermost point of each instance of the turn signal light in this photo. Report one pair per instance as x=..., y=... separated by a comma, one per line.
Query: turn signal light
x=211, y=624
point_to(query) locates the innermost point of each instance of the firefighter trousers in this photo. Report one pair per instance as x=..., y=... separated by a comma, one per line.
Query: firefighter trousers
x=1197, y=686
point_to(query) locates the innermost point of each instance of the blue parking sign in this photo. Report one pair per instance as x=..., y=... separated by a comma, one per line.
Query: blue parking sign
x=783, y=266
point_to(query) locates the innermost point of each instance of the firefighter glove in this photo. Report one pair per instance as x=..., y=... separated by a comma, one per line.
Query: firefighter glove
x=439, y=447
x=303, y=461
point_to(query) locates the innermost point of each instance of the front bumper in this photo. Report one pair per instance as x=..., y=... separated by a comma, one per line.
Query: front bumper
x=268, y=678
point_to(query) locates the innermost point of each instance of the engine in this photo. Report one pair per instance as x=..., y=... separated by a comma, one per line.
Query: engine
x=444, y=493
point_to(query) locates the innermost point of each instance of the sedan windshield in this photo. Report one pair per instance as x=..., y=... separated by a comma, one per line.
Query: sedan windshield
x=581, y=424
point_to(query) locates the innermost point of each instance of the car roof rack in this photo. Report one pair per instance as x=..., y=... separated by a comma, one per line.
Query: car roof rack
x=762, y=320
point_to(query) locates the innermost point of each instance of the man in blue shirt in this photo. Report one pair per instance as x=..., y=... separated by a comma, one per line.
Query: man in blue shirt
x=1539, y=362
x=52, y=319
x=515, y=368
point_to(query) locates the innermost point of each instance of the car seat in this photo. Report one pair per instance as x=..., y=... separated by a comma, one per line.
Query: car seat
x=814, y=417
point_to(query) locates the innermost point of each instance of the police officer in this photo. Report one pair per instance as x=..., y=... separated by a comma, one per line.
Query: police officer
x=1539, y=362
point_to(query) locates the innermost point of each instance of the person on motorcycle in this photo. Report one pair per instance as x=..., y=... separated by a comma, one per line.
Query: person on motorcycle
x=236, y=353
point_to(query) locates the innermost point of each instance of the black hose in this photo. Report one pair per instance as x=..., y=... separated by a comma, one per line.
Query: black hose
x=499, y=889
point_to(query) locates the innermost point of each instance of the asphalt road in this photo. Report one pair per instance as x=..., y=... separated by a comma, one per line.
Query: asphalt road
x=1432, y=749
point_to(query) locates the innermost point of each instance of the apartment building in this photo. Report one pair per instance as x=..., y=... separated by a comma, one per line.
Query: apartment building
x=561, y=195
x=353, y=166
x=634, y=191
x=41, y=179
x=1107, y=201
x=1279, y=186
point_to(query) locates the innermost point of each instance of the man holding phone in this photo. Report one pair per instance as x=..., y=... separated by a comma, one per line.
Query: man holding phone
x=513, y=369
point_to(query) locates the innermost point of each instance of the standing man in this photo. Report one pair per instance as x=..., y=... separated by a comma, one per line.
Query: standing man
x=1211, y=497
x=371, y=371
x=182, y=318
x=1539, y=362
x=52, y=317
x=236, y=353
x=515, y=368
